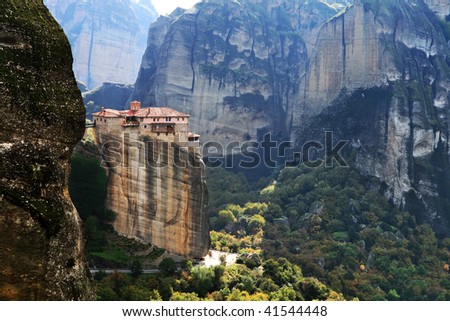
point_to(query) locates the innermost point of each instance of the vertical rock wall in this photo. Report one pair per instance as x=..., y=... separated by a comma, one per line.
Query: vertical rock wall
x=157, y=199
x=41, y=247
x=380, y=77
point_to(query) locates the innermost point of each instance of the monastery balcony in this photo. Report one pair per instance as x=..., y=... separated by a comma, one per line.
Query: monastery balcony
x=163, y=128
x=130, y=124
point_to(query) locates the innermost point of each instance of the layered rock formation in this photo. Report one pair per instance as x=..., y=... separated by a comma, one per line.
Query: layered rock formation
x=41, y=247
x=395, y=56
x=233, y=66
x=156, y=188
x=294, y=68
x=108, y=38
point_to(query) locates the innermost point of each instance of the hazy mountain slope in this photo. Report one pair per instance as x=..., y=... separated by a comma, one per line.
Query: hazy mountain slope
x=107, y=38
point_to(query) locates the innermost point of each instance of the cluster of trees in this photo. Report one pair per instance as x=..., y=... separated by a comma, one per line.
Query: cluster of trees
x=276, y=280
x=344, y=231
x=238, y=229
x=338, y=227
x=225, y=187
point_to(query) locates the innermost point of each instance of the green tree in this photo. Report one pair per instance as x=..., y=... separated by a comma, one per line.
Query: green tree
x=238, y=295
x=166, y=288
x=393, y=295
x=202, y=280
x=136, y=268
x=167, y=266
x=154, y=295
x=135, y=293
x=257, y=222
x=105, y=293
x=187, y=265
x=224, y=218
x=180, y=296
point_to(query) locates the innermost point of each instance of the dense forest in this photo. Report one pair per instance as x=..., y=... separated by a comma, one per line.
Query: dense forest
x=337, y=226
x=301, y=234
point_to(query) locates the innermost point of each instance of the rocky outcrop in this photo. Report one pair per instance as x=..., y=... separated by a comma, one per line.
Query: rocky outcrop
x=233, y=66
x=41, y=247
x=380, y=78
x=108, y=38
x=157, y=191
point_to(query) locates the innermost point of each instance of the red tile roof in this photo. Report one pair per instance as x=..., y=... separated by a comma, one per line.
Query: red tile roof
x=144, y=112
x=108, y=113
x=159, y=112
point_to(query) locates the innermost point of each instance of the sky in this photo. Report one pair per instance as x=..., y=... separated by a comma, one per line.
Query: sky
x=167, y=6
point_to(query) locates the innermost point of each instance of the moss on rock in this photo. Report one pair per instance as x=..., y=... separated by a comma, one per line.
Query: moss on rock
x=41, y=247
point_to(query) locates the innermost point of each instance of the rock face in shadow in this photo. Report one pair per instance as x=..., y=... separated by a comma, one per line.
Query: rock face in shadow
x=111, y=95
x=41, y=244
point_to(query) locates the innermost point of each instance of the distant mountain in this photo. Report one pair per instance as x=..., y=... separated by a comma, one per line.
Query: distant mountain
x=107, y=95
x=108, y=38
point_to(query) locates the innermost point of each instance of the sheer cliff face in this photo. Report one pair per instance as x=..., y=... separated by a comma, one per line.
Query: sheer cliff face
x=157, y=191
x=380, y=77
x=41, y=248
x=363, y=48
x=233, y=66
x=376, y=73
x=108, y=38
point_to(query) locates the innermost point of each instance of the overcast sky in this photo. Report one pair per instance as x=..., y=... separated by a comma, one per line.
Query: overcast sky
x=167, y=6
